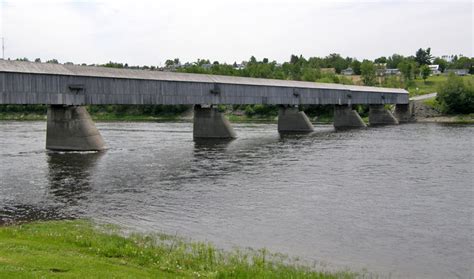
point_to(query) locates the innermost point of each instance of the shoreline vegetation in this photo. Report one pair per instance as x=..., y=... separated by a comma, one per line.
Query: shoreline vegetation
x=233, y=118
x=81, y=248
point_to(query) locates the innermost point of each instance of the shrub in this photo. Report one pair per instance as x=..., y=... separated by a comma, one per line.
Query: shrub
x=456, y=96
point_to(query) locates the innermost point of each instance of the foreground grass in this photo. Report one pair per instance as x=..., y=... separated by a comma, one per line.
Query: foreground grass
x=76, y=249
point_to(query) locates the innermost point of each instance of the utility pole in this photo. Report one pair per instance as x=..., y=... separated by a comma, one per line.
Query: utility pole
x=3, y=48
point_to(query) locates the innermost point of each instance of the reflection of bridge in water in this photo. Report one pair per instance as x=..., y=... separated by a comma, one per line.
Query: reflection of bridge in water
x=69, y=175
x=67, y=88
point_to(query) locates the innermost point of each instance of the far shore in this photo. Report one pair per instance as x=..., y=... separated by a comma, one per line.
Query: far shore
x=448, y=119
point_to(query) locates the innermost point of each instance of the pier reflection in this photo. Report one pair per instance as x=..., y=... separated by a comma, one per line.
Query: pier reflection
x=70, y=175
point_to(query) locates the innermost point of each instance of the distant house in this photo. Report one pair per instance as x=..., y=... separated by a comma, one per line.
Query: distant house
x=347, y=72
x=381, y=70
x=239, y=66
x=434, y=69
x=458, y=72
x=392, y=72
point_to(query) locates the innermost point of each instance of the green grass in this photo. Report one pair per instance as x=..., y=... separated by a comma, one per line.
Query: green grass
x=81, y=249
x=420, y=87
x=464, y=119
x=433, y=103
x=22, y=116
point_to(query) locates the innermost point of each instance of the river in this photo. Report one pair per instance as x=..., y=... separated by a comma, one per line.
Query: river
x=395, y=200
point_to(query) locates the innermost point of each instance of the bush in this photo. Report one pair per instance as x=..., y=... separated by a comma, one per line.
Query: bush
x=456, y=96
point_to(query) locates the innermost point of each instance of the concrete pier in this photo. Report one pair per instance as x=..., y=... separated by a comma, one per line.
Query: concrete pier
x=212, y=124
x=291, y=120
x=404, y=112
x=70, y=128
x=347, y=118
x=378, y=115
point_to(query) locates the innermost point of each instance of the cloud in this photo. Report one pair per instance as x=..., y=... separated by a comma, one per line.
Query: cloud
x=149, y=32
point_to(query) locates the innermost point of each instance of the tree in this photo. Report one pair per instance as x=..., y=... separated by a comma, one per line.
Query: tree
x=38, y=60
x=169, y=63
x=294, y=59
x=53, y=61
x=253, y=60
x=462, y=62
x=355, y=65
x=310, y=74
x=425, y=72
x=456, y=96
x=407, y=69
x=381, y=60
x=394, y=60
x=443, y=64
x=423, y=57
x=367, y=70
x=335, y=60
x=201, y=62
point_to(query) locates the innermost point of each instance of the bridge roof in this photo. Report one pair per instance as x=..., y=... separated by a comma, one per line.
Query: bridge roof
x=93, y=71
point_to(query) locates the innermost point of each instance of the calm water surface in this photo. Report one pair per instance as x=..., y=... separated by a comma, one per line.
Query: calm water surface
x=398, y=201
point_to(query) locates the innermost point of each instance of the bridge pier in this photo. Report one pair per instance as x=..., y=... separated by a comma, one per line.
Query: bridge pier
x=70, y=128
x=347, y=118
x=210, y=123
x=291, y=120
x=404, y=112
x=378, y=115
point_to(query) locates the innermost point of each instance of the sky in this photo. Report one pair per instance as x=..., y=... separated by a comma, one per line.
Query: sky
x=149, y=32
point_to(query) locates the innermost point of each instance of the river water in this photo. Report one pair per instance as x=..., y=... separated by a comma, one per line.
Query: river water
x=396, y=200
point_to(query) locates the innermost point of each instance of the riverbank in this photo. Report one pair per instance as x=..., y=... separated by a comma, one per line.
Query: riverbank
x=83, y=249
x=449, y=119
x=454, y=119
x=166, y=118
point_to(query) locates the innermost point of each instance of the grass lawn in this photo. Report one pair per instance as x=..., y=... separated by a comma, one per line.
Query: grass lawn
x=81, y=249
x=420, y=87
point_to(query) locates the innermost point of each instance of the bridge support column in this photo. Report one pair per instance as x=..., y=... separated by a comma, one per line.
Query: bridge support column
x=291, y=120
x=404, y=112
x=347, y=118
x=378, y=115
x=70, y=128
x=210, y=123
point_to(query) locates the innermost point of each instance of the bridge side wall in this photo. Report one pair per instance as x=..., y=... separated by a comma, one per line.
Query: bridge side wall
x=23, y=88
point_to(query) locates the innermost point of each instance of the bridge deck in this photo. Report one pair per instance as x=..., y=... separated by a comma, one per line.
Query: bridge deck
x=40, y=83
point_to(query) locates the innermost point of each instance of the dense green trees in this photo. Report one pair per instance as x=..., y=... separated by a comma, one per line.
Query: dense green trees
x=456, y=96
x=355, y=65
x=407, y=68
x=423, y=57
x=367, y=70
x=425, y=72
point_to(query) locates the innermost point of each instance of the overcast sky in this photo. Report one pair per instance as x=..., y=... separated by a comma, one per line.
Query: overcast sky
x=149, y=32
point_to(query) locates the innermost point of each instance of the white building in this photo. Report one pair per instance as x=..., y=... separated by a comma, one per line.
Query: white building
x=434, y=69
x=347, y=72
